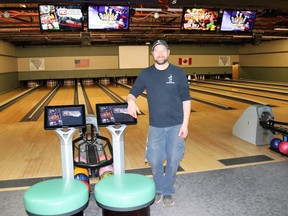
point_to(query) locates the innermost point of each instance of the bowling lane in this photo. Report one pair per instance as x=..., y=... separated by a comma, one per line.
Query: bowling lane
x=96, y=95
x=255, y=86
x=123, y=92
x=10, y=94
x=18, y=110
x=250, y=94
x=36, y=152
x=217, y=99
x=269, y=85
x=135, y=135
x=202, y=107
x=239, y=88
x=196, y=105
x=64, y=96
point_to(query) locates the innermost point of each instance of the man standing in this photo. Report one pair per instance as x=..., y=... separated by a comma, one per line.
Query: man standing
x=169, y=110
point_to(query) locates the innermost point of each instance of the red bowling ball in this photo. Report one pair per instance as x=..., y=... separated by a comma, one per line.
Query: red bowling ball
x=283, y=147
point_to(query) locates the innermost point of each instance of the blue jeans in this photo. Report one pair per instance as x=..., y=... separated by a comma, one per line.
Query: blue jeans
x=164, y=144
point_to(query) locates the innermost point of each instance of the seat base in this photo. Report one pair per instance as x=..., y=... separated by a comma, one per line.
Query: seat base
x=140, y=212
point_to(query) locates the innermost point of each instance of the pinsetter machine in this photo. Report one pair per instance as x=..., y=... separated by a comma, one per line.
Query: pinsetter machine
x=256, y=125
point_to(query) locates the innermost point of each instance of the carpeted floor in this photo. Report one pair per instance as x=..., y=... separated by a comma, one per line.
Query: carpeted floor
x=259, y=190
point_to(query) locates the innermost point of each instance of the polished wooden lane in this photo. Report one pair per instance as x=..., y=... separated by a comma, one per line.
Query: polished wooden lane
x=243, y=85
x=272, y=102
x=256, y=84
x=28, y=151
x=196, y=105
x=218, y=99
x=240, y=89
x=210, y=139
x=273, y=97
x=18, y=110
x=206, y=126
x=65, y=96
x=134, y=155
x=123, y=92
x=12, y=93
x=96, y=95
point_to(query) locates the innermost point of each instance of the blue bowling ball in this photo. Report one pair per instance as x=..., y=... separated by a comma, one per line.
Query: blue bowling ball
x=274, y=144
x=82, y=177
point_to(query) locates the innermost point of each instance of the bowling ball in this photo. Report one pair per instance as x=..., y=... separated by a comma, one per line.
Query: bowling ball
x=274, y=144
x=106, y=174
x=283, y=147
x=78, y=170
x=82, y=176
x=106, y=171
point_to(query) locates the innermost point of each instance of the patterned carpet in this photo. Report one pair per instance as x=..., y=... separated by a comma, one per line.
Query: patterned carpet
x=256, y=190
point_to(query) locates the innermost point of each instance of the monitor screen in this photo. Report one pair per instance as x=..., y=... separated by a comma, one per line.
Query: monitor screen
x=238, y=20
x=107, y=17
x=114, y=114
x=66, y=116
x=61, y=17
x=201, y=19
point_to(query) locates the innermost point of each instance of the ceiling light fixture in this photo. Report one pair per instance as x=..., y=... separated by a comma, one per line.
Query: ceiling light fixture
x=175, y=9
x=6, y=14
x=281, y=29
x=241, y=36
x=156, y=15
x=148, y=9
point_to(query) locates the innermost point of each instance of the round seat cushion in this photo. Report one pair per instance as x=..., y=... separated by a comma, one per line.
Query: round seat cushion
x=125, y=192
x=56, y=197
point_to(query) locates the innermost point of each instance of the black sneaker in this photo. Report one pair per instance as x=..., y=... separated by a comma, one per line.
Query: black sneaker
x=158, y=197
x=168, y=200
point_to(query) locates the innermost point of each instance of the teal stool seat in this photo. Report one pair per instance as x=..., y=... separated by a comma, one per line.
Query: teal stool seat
x=125, y=192
x=56, y=197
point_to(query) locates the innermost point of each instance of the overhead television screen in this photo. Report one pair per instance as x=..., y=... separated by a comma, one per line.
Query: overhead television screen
x=201, y=19
x=107, y=17
x=65, y=116
x=113, y=114
x=61, y=17
x=238, y=20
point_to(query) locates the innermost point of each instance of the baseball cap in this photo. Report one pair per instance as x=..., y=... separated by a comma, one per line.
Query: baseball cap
x=159, y=42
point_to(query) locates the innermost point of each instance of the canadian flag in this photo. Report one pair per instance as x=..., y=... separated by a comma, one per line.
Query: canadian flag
x=185, y=61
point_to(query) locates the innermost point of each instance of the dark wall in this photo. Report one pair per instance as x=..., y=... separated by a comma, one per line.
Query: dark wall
x=277, y=74
x=8, y=81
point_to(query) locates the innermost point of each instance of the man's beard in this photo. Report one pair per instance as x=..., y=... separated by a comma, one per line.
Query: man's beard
x=163, y=61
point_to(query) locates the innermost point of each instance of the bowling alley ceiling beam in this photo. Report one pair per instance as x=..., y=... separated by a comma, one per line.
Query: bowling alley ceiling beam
x=22, y=25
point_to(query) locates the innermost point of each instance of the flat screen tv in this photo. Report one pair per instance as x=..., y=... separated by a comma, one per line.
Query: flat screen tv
x=114, y=114
x=238, y=20
x=65, y=116
x=200, y=19
x=108, y=17
x=61, y=17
